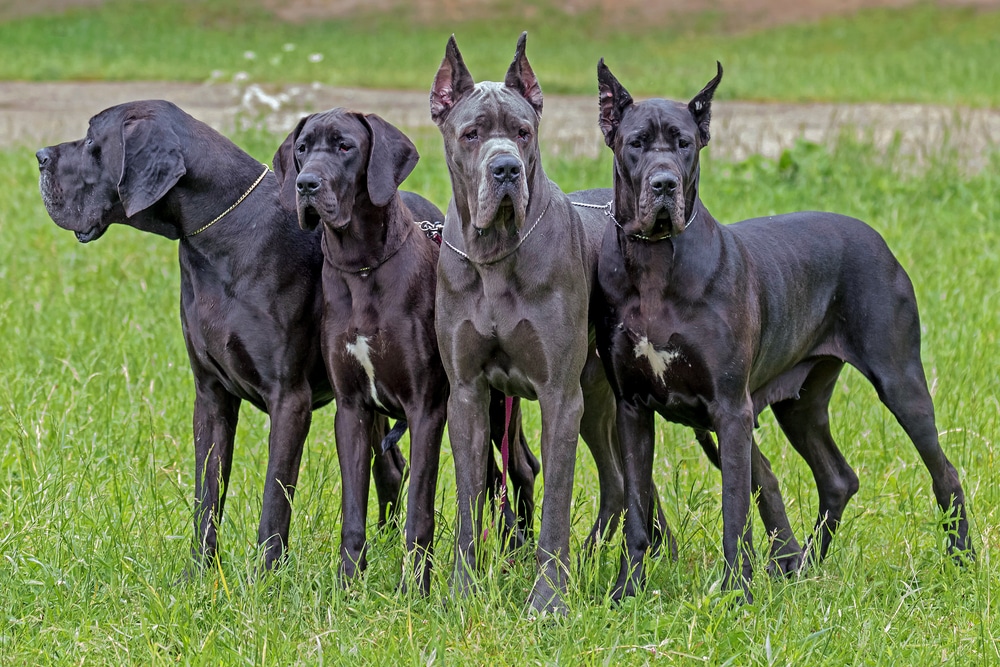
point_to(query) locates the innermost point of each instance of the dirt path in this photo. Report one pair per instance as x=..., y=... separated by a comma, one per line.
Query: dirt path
x=37, y=114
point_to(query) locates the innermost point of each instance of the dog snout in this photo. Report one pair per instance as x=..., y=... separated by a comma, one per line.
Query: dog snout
x=505, y=169
x=307, y=183
x=663, y=183
x=44, y=157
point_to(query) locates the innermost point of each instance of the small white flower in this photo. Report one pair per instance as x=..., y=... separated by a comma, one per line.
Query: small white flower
x=315, y=57
x=240, y=77
x=249, y=55
x=288, y=47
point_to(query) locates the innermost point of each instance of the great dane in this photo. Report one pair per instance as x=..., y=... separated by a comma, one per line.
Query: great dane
x=709, y=324
x=378, y=334
x=513, y=299
x=250, y=291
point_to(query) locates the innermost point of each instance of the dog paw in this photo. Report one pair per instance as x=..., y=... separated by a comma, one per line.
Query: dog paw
x=546, y=600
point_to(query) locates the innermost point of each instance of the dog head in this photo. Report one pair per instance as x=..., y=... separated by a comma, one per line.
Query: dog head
x=490, y=135
x=129, y=159
x=656, y=145
x=334, y=160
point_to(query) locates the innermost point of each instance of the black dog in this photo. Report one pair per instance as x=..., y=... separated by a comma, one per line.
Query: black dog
x=709, y=324
x=378, y=331
x=250, y=291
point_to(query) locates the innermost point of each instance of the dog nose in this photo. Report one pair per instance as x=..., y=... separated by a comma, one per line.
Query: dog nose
x=663, y=183
x=44, y=157
x=506, y=168
x=307, y=184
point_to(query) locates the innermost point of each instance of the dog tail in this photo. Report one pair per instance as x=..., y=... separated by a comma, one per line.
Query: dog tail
x=707, y=443
x=395, y=434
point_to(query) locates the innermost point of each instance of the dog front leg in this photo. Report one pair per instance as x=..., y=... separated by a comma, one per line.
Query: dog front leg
x=636, y=439
x=353, y=426
x=291, y=415
x=561, y=415
x=216, y=413
x=468, y=431
x=426, y=432
x=735, y=432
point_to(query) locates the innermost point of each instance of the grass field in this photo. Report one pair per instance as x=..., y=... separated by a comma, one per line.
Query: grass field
x=96, y=475
x=96, y=461
x=921, y=54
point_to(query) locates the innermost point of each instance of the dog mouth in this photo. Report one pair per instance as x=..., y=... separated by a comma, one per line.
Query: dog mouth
x=314, y=212
x=91, y=234
x=309, y=217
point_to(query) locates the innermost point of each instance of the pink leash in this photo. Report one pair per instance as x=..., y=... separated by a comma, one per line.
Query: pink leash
x=508, y=406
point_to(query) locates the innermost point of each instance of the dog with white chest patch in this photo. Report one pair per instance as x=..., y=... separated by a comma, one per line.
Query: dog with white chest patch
x=708, y=324
x=341, y=170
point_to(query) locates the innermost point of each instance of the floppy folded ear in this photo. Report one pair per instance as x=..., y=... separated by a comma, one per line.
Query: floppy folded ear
x=701, y=105
x=522, y=78
x=451, y=83
x=613, y=100
x=391, y=158
x=285, y=166
x=152, y=163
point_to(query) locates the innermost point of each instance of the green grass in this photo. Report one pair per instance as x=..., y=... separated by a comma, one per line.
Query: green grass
x=96, y=471
x=922, y=53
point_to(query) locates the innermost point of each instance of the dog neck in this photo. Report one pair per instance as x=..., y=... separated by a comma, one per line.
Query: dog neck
x=675, y=263
x=484, y=247
x=201, y=216
x=374, y=234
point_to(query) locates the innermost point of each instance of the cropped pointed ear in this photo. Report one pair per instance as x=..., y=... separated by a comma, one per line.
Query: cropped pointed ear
x=613, y=100
x=701, y=105
x=152, y=163
x=391, y=158
x=522, y=78
x=285, y=166
x=451, y=83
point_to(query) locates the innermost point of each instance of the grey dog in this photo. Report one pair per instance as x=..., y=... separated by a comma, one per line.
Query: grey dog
x=250, y=291
x=708, y=324
x=513, y=299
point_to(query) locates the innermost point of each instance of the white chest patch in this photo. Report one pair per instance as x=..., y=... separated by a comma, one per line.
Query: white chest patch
x=658, y=360
x=359, y=350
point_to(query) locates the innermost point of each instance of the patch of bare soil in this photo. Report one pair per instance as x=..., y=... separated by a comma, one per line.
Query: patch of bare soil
x=37, y=114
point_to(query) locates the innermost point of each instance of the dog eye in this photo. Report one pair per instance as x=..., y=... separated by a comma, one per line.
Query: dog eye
x=523, y=134
x=684, y=143
x=471, y=135
x=301, y=148
x=635, y=143
x=344, y=147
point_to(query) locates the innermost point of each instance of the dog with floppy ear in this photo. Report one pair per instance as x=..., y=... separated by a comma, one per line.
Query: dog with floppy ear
x=708, y=324
x=250, y=291
x=341, y=170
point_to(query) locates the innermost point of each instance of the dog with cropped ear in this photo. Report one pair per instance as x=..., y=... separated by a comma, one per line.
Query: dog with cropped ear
x=708, y=324
x=341, y=171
